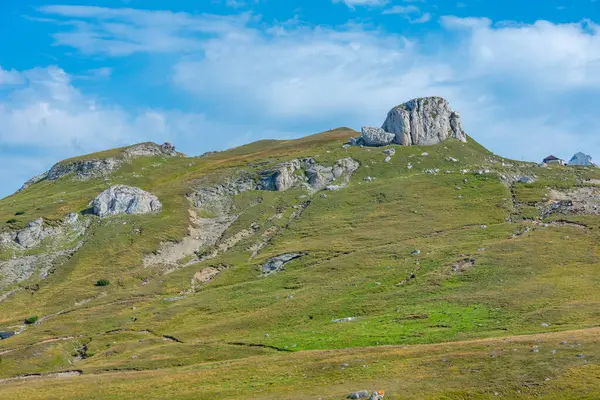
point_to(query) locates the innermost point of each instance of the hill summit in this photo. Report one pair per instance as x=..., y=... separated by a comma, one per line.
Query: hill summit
x=423, y=121
x=418, y=263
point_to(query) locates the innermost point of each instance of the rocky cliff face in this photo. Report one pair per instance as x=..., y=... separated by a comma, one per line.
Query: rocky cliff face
x=424, y=121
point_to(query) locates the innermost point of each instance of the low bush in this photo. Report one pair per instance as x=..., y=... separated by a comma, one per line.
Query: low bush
x=31, y=320
x=20, y=213
x=102, y=282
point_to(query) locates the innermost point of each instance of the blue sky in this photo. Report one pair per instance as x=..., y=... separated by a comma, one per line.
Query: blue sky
x=211, y=74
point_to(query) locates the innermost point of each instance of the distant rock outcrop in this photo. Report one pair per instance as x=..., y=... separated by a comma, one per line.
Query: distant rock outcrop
x=83, y=169
x=424, y=121
x=314, y=176
x=121, y=199
x=581, y=159
x=149, y=149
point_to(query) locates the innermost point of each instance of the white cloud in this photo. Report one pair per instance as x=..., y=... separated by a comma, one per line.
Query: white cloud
x=354, y=3
x=410, y=9
x=11, y=77
x=522, y=89
x=45, y=119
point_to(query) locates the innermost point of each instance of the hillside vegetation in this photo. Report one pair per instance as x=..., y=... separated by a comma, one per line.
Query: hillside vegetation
x=438, y=274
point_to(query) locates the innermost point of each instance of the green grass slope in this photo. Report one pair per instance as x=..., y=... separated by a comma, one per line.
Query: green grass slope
x=493, y=278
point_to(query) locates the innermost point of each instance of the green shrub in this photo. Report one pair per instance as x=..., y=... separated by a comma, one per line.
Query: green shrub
x=31, y=320
x=102, y=282
x=11, y=221
x=20, y=213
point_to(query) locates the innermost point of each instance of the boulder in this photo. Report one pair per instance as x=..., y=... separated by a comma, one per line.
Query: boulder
x=121, y=199
x=424, y=121
x=276, y=264
x=372, y=136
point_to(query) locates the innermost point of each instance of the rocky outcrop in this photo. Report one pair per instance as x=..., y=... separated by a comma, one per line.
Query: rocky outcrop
x=219, y=197
x=319, y=177
x=34, y=180
x=424, y=121
x=371, y=136
x=32, y=235
x=281, y=177
x=121, y=199
x=581, y=159
x=149, y=149
x=308, y=172
x=276, y=264
x=84, y=169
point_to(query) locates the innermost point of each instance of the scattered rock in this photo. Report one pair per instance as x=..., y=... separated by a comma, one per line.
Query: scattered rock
x=121, y=199
x=369, y=179
x=388, y=159
x=347, y=319
x=416, y=252
x=389, y=152
x=526, y=179
x=6, y=335
x=452, y=159
x=544, y=325
x=362, y=394
x=424, y=154
x=276, y=264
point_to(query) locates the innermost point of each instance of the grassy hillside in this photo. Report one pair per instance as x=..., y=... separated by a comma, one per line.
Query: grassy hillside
x=494, y=276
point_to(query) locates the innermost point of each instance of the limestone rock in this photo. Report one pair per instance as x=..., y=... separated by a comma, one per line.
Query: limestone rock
x=372, y=136
x=581, y=159
x=424, y=121
x=84, y=169
x=281, y=177
x=32, y=235
x=319, y=177
x=151, y=149
x=121, y=199
x=276, y=264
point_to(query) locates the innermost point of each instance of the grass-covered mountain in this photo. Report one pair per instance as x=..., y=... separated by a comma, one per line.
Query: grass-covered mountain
x=444, y=272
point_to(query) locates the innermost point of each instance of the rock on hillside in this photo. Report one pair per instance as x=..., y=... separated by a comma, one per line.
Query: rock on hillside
x=96, y=167
x=581, y=159
x=424, y=121
x=372, y=136
x=151, y=149
x=121, y=199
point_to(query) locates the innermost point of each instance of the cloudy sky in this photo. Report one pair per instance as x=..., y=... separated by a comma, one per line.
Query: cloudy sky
x=212, y=74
